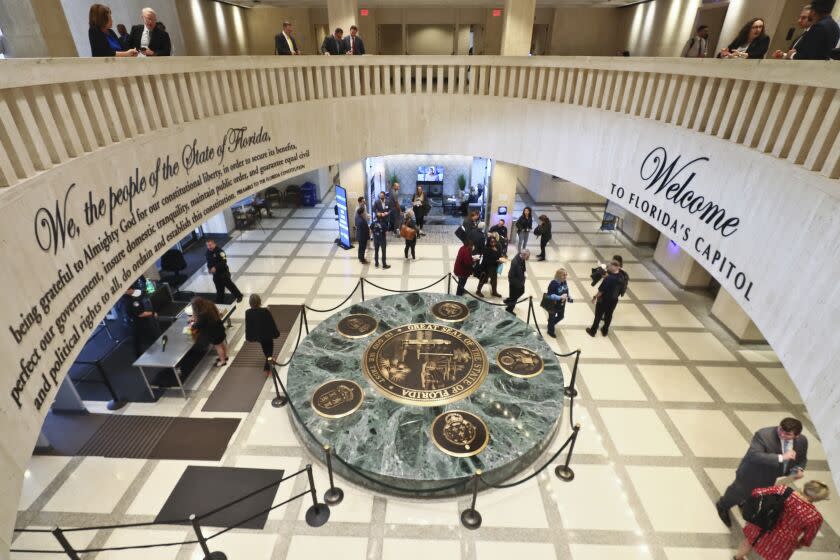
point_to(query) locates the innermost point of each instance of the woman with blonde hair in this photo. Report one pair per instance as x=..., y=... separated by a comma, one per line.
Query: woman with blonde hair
x=795, y=528
x=208, y=328
x=558, y=293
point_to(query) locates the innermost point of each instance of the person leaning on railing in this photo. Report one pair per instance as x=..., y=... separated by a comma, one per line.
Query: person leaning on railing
x=103, y=40
x=751, y=42
x=818, y=42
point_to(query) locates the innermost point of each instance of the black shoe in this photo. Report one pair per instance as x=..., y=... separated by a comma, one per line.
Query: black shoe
x=239, y=298
x=510, y=311
x=540, y=258
x=604, y=331
x=590, y=332
x=386, y=266
x=376, y=265
x=551, y=334
x=724, y=515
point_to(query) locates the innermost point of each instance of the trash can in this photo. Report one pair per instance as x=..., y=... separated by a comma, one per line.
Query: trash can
x=309, y=194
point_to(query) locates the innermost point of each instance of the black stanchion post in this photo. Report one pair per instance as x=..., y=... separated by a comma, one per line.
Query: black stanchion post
x=202, y=542
x=317, y=514
x=280, y=399
x=65, y=544
x=564, y=472
x=449, y=284
x=334, y=495
x=570, y=391
x=470, y=518
x=362, y=281
x=305, y=321
x=530, y=309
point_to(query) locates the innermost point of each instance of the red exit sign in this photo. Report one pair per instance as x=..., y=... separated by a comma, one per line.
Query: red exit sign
x=497, y=12
x=363, y=12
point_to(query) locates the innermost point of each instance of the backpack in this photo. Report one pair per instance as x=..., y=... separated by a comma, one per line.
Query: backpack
x=765, y=511
x=623, y=282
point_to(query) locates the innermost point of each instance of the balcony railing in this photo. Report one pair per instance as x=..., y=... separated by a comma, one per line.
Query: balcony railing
x=55, y=110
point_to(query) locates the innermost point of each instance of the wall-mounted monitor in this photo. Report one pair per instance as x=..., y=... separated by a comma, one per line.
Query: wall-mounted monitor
x=430, y=174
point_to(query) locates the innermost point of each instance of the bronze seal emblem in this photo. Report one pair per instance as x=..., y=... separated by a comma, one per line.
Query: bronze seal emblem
x=520, y=362
x=460, y=433
x=450, y=311
x=357, y=326
x=337, y=398
x=425, y=364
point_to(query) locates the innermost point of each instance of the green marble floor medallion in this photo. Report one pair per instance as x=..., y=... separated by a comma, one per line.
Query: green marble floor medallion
x=520, y=362
x=337, y=398
x=450, y=311
x=459, y=433
x=359, y=325
x=425, y=364
x=414, y=368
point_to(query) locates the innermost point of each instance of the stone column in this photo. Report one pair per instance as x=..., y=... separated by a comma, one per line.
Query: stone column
x=731, y=315
x=36, y=29
x=503, y=182
x=679, y=265
x=518, y=27
x=353, y=178
x=638, y=230
x=343, y=14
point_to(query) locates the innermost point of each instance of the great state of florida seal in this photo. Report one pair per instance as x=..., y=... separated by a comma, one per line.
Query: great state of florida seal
x=425, y=364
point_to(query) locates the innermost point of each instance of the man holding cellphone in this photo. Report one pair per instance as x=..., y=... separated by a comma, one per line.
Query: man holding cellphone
x=150, y=38
x=774, y=452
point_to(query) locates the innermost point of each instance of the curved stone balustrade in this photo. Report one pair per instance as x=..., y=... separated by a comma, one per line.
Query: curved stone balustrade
x=108, y=162
x=791, y=111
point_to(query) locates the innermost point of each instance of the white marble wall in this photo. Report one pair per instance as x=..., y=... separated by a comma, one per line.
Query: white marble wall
x=787, y=235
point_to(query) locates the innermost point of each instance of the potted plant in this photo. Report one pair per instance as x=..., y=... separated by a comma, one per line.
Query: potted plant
x=462, y=184
x=393, y=179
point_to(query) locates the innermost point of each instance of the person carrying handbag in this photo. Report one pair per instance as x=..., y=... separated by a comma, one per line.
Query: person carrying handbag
x=409, y=232
x=555, y=300
x=543, y=230
x=422, y=206
x=490, y=266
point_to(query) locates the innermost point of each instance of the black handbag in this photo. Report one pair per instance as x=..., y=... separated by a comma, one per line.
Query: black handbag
x=548, y=304
x=460, y=233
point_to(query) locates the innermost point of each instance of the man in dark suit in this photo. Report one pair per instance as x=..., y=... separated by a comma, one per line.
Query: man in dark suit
x=775, y=451
x=362, y=230
x=818, y=42
x=353, y=44
x=150, y=37
x=284, y=43
x=333, y=44
x=516, y=279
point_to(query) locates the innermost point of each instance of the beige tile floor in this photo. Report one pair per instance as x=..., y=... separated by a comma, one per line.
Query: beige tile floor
x=667, y=405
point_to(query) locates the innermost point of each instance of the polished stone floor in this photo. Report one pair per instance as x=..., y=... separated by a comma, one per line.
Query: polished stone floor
x=668, y=403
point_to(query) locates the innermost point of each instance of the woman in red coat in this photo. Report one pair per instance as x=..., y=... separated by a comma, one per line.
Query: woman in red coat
x=796, y=528
x=464, y=265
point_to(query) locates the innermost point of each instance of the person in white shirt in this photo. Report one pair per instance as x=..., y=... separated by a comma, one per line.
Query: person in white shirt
x=804, y=21
x=150, y=38
x=697, y=45
x=284, y=43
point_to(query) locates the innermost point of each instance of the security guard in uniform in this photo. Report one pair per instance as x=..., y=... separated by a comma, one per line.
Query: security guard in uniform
x=144, y=325
x=218, y=267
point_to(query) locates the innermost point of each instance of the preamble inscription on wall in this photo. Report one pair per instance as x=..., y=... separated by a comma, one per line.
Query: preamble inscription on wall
x=140, y=215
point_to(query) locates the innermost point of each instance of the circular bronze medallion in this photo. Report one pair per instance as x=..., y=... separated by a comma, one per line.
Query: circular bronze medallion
x=450, y=311
x=425, y=364
x=357, y=326
x=337, y=398
x=520, y=362
x=460, y=433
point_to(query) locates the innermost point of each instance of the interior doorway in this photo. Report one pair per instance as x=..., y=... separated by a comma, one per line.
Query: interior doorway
x=712, y=15
x=539, y=39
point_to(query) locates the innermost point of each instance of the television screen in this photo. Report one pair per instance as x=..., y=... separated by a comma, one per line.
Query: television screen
x=429, y=174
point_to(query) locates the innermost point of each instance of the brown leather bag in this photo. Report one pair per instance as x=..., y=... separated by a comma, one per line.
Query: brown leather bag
x=407, y=232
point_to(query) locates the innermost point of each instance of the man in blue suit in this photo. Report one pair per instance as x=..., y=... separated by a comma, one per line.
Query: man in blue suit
x=353, y=44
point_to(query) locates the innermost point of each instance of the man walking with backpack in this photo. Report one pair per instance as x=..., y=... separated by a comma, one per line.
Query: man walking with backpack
x=697, y=45
x=775, y=451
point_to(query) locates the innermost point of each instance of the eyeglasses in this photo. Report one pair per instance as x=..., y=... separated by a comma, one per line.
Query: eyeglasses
x=757, y=27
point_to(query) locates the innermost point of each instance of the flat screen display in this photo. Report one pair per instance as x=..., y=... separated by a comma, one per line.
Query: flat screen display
x=430, y=174
x=343, y=222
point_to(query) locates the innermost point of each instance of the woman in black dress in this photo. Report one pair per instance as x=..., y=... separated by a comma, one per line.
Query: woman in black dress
x=490, y=265
x=260, y=327
x=207, y=327
x=543, y=229
x=751, y=42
